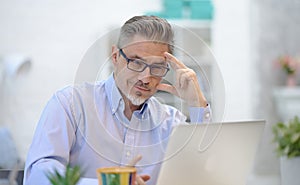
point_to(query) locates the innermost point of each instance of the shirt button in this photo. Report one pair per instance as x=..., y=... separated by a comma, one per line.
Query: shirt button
x=127, y=154
x=207, y=115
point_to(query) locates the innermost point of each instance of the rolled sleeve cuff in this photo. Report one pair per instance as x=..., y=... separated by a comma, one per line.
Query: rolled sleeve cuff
x=200, y=114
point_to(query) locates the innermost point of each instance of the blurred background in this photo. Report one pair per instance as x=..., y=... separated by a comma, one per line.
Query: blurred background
x=254, y=43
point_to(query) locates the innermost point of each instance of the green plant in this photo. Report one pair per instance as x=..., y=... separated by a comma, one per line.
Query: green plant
x=287, y=138
x=71, y=177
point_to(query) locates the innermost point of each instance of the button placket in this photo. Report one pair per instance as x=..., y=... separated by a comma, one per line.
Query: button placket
x=129, y=145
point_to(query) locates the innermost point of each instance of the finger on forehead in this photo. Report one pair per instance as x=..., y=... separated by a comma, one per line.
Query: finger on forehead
x=173, y=61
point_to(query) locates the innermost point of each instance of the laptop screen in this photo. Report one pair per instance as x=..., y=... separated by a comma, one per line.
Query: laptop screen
x=211, y=154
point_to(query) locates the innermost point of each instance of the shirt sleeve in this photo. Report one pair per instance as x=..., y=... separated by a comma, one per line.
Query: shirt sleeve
x=200, y=114
x=51, y=143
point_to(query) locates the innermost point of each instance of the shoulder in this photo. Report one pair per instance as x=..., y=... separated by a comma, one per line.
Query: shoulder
x=81, y=90
x=77, y=93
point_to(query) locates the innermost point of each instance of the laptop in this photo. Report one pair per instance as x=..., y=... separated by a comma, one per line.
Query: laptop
x=211, y=154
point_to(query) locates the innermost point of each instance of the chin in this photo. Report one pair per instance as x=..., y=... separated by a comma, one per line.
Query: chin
x=136, y=100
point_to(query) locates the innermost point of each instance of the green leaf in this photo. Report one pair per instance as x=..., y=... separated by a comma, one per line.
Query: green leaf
x=70, y=177
x=287, y=137
x=295, y=137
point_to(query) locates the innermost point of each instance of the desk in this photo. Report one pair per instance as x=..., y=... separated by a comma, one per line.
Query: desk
x=259, y=180
x=88, y=181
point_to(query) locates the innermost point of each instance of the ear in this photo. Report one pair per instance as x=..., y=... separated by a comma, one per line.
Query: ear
x=114, y=54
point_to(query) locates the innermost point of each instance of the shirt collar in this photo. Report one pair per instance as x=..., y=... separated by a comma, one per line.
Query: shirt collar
x=113, y=94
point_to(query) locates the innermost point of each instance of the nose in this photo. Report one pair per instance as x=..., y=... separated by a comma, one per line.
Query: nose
x=145, y=75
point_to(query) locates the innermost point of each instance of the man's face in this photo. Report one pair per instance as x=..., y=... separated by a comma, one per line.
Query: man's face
x=137, y=87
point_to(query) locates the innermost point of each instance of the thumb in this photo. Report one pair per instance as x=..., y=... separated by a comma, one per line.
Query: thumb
x=141, y=179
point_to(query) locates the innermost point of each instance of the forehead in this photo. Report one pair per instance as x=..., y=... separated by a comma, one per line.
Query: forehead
x=144, y=48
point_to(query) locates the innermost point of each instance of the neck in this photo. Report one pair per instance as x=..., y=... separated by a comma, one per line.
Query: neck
x=129, y=107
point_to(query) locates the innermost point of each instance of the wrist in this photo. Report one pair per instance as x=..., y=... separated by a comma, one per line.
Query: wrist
x=202, y=103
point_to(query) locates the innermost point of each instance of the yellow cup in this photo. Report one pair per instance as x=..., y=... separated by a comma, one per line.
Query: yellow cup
x=116, y=176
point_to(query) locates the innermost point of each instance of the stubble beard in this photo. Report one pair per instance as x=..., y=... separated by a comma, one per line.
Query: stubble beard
x=136, y=99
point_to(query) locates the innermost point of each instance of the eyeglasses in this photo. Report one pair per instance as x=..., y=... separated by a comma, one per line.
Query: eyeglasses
x=139, y=65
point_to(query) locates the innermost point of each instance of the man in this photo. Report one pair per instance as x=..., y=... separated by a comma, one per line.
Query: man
x=117, y=122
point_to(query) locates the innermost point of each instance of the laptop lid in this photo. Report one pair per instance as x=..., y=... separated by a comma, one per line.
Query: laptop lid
x=211, y=154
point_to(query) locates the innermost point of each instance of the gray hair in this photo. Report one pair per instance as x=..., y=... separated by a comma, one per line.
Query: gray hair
x=153, y=28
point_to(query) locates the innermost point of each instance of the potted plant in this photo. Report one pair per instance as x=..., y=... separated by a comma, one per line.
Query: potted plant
x=289, y=65
x=70, y=177
x=287, y=138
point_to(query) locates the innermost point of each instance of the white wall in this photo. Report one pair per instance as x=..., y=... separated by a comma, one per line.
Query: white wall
x=56, y=35
x=231, y=42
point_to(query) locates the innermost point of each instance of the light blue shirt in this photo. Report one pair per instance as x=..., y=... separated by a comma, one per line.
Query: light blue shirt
x=85, y=125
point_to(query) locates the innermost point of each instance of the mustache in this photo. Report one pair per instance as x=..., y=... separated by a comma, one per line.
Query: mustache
x=141, y=84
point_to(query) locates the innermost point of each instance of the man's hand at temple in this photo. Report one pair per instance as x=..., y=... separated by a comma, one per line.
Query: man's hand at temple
x=186, y=85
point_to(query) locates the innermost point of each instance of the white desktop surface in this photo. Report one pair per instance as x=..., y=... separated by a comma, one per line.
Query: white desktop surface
x=262, y=180
x=88, y=181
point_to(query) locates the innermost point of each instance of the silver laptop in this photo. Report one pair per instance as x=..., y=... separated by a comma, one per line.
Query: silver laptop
x=211, y=154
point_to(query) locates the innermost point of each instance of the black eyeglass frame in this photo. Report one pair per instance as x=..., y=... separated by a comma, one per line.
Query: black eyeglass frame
x=146, y=65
